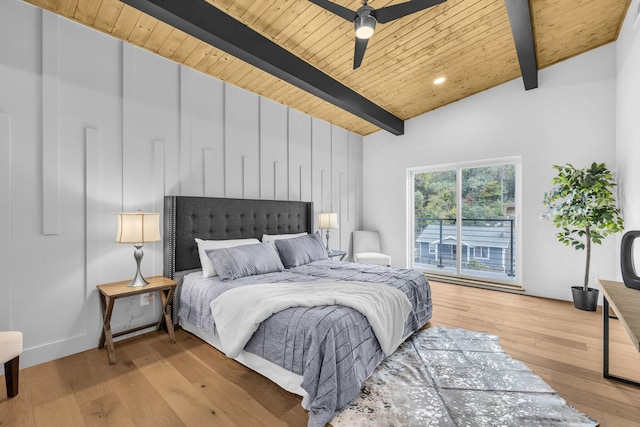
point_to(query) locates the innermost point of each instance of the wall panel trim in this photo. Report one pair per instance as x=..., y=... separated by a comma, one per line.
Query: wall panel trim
x=50, y=131
x=244, y=175
x=300, y=181
x=288, y=153
x=350, y=193
x=341, y=220
x=158, y=177
x=128, y=120
x=207, y=164
x=93, y=221
x=225, y=139
x=358, y=204
x=311, y=159
x=185, y=130
x=260, y=101
x=323, y=188
x=5, y=220
x=276, y=167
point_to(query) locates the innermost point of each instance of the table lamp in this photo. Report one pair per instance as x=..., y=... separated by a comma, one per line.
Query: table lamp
x=328, y=221
x=138, y=228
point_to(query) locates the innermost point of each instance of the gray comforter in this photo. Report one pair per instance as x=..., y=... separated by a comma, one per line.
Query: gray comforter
x=333, y=348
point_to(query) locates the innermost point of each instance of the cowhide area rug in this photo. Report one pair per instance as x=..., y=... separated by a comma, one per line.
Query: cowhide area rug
x=455, y=377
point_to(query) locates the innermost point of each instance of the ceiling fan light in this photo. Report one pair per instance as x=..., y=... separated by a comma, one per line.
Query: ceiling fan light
x=365, y=25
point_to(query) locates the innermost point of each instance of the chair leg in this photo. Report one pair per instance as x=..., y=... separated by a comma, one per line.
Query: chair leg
x=11, y=371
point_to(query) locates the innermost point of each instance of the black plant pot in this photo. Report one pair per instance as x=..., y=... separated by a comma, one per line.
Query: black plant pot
x=585, y=300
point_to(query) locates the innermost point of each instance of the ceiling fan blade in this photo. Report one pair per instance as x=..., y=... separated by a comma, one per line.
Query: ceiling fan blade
x=389, y=13
x=336, y=9
x=361, y=46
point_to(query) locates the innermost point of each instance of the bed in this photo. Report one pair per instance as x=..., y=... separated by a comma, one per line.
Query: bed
x=322, y=352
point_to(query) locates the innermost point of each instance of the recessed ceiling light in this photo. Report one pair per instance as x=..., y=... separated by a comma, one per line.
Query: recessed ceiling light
x=439, y=80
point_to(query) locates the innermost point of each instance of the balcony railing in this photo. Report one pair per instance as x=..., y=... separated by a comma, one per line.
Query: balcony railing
x=487, y=245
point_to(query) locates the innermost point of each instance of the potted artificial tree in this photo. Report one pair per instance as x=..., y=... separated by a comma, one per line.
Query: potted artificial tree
x=583, y=207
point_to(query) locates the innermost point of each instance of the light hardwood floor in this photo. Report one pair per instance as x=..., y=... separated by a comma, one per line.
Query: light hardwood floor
x=156, y=383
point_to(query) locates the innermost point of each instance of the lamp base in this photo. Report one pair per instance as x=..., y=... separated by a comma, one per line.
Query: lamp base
x=327, y=233
x=138, y=280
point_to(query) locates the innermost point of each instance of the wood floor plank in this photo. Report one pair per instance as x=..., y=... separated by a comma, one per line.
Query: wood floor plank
x=87, y=383
x=218, y=389
x=107, y=410
x=296, y=416
x=156, y=383
x=62, y=411
x=241, y=408
x=611, y=420
x=267, y=393
x=17, y=411
x=190, y=404
x=144, y=403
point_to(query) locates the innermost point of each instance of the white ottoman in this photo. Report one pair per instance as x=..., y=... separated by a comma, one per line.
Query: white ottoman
x=10, y=351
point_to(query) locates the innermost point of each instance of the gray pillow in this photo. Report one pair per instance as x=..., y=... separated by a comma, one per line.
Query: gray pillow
x=246, y=260
x=301, y=250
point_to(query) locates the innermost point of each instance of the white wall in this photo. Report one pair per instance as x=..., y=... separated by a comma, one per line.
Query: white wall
x=569, y=118
x=89, y=127
x=628, y=118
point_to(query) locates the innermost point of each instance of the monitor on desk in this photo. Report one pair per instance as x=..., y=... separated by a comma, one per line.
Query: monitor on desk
x=629, y=274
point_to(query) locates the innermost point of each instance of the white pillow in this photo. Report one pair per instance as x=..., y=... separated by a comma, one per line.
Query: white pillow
x=271, y=238
x=203, y=245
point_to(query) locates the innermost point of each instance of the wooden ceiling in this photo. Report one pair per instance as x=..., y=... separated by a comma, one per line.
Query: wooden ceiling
x=469, y=42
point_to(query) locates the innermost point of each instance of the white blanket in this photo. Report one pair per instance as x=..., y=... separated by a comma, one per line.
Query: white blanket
x=238, y=312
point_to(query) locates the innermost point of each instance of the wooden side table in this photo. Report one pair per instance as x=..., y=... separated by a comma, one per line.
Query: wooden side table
x=110, y=292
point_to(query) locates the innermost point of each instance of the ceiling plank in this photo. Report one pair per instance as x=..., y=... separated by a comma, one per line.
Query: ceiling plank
x=522, y=29
x=107, y=15
x=209, y=24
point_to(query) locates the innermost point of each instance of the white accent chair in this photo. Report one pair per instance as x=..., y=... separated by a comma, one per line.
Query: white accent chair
x=366, y=249
x=10, y=351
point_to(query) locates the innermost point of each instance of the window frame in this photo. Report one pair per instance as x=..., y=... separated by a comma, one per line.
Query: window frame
x=458, y=167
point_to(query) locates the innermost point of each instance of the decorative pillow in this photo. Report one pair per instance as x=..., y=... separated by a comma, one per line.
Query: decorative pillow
x=271, y=238
x=301, y=250
x=246, y=260
x=203, y=245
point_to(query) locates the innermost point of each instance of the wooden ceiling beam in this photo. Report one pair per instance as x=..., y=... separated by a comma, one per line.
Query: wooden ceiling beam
x=520, y=18
x=210, y=25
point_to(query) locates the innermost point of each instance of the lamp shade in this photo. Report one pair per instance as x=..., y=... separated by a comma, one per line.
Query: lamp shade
x=328, y=220
x=138, y=227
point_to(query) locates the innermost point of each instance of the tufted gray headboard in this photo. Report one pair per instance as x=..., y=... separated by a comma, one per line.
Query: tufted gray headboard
x=213, y=218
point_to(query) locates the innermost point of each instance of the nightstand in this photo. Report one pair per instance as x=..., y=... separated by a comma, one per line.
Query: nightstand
x=110, y=292
x=337, y=253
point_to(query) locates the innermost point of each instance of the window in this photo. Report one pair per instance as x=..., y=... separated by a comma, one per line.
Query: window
x=481, y=252
x=464, y=217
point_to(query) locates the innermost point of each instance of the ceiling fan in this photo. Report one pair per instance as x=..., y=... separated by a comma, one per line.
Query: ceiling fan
x=365, y=19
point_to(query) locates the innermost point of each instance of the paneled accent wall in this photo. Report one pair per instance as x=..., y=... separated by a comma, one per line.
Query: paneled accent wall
x=89, y=127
